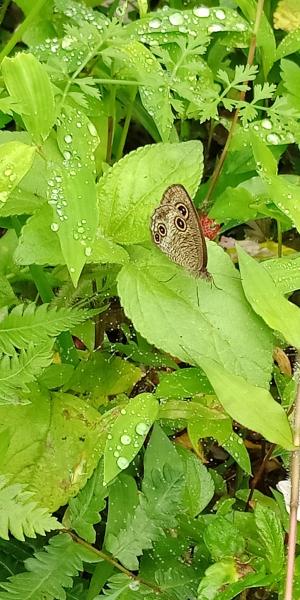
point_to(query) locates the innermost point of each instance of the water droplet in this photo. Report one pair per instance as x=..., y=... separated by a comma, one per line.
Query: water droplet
x=220, y=15
x=7, y=172
x=215, y=28
x=273, y=138
x=67, y=155
x=54, y=226
x=92, y=129
x=125, y=440
x=201, y=11
x=134, y=586
x=142, y=428
x=155, y=24
x=176, y=19
x=88, y=251
x=123, y=411
x=266, y=124
x=122, y=462
x=68, y=138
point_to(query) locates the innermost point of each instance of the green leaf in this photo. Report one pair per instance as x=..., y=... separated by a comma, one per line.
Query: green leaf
x=244, y=403
x=83, y=511
x=237, y=449
x=105, y=375
x=64, y=437
x=49, y=572
x=183, y=383
x=139, y=62
x=272, y=537
x=21, y=515
x=77, y=134
x=285, y=272
x=38, y=245
x=267, y=301
x=266, y=164
x=163, y=483
x=15, y=161
x=289, y=44
x=31, y=323
x=28, y=83
x=286, y=195
x=145, y=174
x=128, y=433
x=17, y=371
x=199, y=486
x=190, y=318
x=223, y=538
x=72, y=194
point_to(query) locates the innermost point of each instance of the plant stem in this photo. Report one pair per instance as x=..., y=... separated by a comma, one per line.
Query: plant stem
x=111, y=123
x=18, y=33
x=279, y=239
x=118, y=82
x=294, y=502
x=219, y=165
x=116, y=564
x=66, y=347
x=126, y=124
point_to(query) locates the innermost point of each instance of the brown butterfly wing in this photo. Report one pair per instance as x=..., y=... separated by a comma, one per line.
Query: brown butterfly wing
x=177, y=232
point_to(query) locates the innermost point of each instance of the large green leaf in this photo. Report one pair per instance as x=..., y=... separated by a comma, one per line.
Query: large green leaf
x=129, y=192
x=247, y=403
x=72, y=194
x=28, y=83
x=191, y=318
x=267, y=300
x=63, y=437
x=128, y=433
x=38, y=244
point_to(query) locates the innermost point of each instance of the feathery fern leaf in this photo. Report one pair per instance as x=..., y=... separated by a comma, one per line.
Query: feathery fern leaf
x=49, y=572
x=123, y=588
x=83, y=511
x=20, y=369
x=20, y=514
x=32, y=323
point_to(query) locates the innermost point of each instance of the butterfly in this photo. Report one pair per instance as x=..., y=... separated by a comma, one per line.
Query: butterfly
x=176, y=230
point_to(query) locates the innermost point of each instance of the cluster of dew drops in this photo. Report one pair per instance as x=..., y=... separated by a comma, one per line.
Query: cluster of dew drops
x=126, y=440
x=10, y=178
x=185, y=22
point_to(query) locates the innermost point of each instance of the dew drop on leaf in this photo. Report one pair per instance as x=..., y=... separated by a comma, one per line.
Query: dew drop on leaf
x=266, y=124
x=68, y=138
x=176, y=19
x=122, y=462
x=125, y=440
x=155, y=24
x=141, y=428
x=220, y=15
x=201, y=11
x=54, y=226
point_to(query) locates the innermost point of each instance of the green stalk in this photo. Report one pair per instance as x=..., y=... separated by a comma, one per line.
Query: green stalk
x=126, y=124
x=18, y=33
x=67, y=349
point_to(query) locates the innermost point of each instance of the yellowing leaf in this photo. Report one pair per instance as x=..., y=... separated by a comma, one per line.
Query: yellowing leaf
x=287, y=15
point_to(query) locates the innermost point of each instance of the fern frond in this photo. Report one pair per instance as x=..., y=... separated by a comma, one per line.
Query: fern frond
x=50, y=571
x=121, y=586
x=32, y=323
x=21, y=515
x=20, y=369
